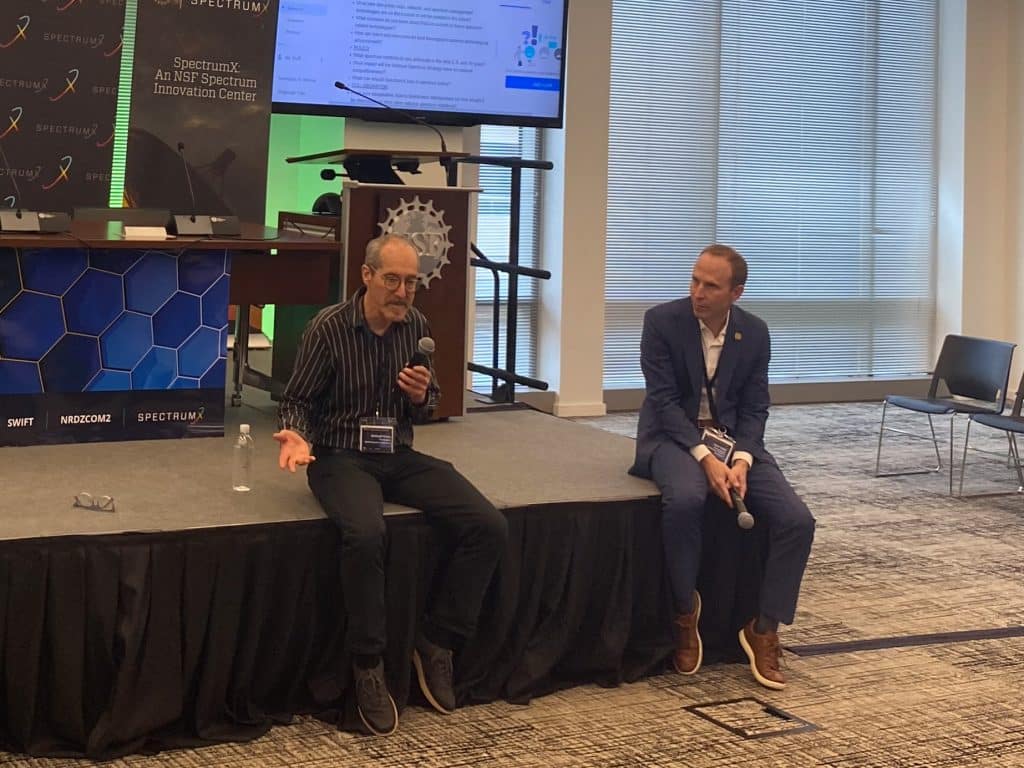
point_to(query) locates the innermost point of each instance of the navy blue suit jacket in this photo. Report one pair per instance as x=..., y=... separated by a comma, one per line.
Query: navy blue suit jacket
x=671, y=359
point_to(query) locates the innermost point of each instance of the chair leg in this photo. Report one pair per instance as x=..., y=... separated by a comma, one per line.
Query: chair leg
x=935, y=445
x=881, y=429
x=1014, y=454
x=963, y=464
x=951, y=420
x=1016, y=460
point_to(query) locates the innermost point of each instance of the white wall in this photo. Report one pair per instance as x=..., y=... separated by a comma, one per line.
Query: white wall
x=1015, y=181
x=573, y=223
x=983, y=289
x=986, y=290
x=950, y=224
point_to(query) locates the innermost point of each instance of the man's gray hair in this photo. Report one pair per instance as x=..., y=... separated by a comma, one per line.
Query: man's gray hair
x=374, y=247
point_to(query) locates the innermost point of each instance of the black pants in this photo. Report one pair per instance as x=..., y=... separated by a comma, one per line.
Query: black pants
x=352, y=488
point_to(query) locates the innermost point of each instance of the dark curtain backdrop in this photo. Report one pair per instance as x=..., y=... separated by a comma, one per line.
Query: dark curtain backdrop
x=59, y=68
x=202, y=76
x=140, y=642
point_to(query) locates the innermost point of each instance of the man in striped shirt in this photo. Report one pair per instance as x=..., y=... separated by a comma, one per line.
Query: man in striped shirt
x=347, y=413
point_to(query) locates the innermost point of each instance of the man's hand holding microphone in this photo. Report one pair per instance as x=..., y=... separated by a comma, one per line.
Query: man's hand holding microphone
x=729, y=483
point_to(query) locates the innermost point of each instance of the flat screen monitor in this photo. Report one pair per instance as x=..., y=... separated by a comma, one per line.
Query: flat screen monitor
x=451, y=62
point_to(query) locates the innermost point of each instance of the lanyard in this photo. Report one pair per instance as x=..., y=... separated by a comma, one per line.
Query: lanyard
x=381, y=376
x=709, y=384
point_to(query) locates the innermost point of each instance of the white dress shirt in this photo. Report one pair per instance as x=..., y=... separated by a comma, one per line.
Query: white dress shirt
x=712, y=353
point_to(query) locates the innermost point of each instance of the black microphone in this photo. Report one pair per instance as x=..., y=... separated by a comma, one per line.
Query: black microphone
x=407, y=115
x=192, y=224
x=18, y=220
x=329, y=174
x=188, y=180
x=202, y=226
x=15, y=220
x=744, y=519
x=14, y=181
x=425, y=348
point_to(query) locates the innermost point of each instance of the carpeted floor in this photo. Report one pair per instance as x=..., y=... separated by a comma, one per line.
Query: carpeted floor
x=908, y=648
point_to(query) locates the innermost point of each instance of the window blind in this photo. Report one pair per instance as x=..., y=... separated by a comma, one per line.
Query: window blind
x=804, y=135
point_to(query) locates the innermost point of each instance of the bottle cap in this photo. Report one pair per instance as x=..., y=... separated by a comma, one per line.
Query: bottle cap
x=244, y=429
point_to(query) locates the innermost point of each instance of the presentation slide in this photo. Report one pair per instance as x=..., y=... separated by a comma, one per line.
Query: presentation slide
x=466, y=56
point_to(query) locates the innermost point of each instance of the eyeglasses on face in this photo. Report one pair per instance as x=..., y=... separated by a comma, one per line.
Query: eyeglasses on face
x=392, y=281
x=99, y=503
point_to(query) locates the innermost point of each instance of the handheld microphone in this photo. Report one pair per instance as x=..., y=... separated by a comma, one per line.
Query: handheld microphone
x=17, y=220
x=744, y=519
x=425, y=348
x=407, y=115
x=329, y=174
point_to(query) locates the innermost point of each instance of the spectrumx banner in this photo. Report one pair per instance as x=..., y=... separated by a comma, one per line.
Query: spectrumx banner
x=112, y=343
x=202, y=80
x=59, y=67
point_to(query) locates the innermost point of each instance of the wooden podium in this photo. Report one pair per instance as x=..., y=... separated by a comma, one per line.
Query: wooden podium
x=436, y=219
x=375, y=201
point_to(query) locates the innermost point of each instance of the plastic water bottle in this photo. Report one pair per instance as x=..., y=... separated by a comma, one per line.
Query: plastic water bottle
x=244, y=450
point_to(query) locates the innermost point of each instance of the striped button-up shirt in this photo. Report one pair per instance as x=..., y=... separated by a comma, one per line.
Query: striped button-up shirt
x=344, y=372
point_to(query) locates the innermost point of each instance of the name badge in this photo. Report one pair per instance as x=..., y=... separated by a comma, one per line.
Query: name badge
x=720, y=444
x=377, y=434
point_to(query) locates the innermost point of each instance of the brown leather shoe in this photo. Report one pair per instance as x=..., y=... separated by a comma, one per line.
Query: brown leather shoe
x=764, y=654
x=689, y=649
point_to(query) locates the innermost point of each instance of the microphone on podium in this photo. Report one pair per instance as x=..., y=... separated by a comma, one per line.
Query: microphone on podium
x=744, y=519
x=407, y=115
x=424, y=349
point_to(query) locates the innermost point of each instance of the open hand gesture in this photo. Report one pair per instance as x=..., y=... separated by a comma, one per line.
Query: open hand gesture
x=294, y=450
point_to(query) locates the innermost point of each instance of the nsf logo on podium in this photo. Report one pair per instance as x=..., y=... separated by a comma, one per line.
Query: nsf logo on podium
x=425, y=226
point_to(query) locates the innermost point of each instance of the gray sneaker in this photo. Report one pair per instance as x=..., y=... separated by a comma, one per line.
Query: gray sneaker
x=434, y=672
x=376, y=708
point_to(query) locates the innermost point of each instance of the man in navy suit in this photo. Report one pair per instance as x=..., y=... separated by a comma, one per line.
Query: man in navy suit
x=701, y=430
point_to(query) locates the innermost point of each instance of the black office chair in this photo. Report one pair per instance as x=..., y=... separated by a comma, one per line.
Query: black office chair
x=328, y=204
x=970, y=377
x=1011, y=424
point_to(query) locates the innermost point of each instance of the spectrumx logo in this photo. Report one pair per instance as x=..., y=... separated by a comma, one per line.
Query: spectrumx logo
x=62, y=173
x=69, y=79
x=13, y=118
x=106, y=141
x=115, y=50
x=22, y=27
x=254, y=7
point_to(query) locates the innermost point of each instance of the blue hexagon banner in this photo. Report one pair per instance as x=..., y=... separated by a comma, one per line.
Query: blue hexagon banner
x=111, y=344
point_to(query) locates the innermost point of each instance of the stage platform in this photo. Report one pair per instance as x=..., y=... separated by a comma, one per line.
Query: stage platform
x=194, y=614
x=515, y=457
